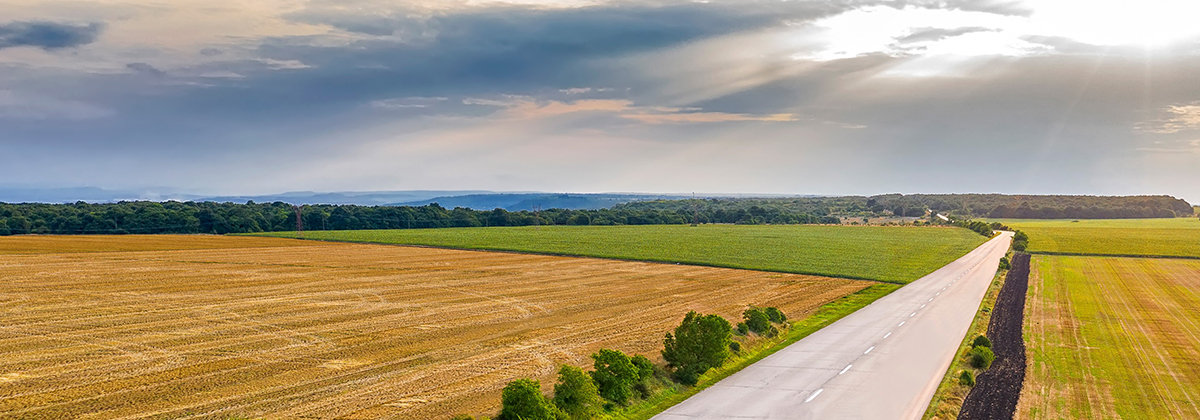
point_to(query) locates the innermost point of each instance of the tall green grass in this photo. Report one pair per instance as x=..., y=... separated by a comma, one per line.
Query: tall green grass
x=889, y=254
x=1179, y=237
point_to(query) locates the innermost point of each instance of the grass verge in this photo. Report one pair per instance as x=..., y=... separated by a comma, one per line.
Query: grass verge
x=827, y=314
x=948, y=399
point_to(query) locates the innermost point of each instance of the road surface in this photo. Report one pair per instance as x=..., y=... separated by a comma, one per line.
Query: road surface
x=882, y=362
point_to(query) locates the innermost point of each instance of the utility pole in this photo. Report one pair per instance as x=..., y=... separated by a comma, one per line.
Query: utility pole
x=299, y=223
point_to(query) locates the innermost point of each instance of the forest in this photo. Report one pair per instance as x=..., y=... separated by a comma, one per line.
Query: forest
x=208, y=217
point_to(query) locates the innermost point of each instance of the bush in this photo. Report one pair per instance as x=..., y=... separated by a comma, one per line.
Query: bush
x=772, y=332
x=982, y=357
x=735, y=346
x=576, y=394
x=776, y=315
x=700, y=343
x=1004, y=265
x=981, y=341
x=1020, y=245
x=756, y=320
x=645, y=368
x=614, y=375
x=742, y=328
x=522, y=399
x=966, y=378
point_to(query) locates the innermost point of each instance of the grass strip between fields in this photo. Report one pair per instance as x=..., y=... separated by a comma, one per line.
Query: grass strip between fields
x=948, y=399
x=825, y=315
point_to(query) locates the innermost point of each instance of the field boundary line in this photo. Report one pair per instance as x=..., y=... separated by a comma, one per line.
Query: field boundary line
x=651, y=261
x=1088, y=254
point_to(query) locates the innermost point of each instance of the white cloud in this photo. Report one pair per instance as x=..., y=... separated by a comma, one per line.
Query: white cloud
x=1177, y=118
x=410, y=102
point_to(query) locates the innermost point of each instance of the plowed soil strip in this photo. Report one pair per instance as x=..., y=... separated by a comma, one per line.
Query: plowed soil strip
x=997, y=390
x=164, y=328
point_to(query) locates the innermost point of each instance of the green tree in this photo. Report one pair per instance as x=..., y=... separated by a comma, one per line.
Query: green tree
x=756, y=320
x=981, y=341
x=522, y=399
x=776, y=315
x=576, y=394
x=982, y=357
x=700, y=343
x=644, y=367
x=614, y=374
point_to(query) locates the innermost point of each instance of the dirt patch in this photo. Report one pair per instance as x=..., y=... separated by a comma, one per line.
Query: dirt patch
x=996, y=393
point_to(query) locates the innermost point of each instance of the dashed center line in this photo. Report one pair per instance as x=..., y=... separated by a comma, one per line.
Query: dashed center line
x=901, y=323
x=845, y=369
x=913, y=314
x=869, y=350
x=814, y=395
x=887, y=335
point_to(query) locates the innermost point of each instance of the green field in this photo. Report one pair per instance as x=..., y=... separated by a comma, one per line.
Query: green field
x=891, y=254
x=1112, y=338
x=1179, y=237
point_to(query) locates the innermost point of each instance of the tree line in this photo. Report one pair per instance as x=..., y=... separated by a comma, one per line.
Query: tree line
x=145, y=217
x=998, y=206
x=700, y=343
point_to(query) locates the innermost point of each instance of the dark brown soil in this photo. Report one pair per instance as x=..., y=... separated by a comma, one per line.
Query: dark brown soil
x=997, y=389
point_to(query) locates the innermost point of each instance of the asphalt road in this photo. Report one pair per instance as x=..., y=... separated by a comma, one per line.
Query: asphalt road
x=882, y=362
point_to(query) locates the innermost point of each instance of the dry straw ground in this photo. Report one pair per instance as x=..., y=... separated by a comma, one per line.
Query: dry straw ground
x=209, y=327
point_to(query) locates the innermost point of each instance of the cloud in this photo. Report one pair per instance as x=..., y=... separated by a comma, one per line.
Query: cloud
x=47, y=35
x=411, y=102
x=938, y=34
x=517, y=107
x=1178, y=118
x=145, y=69
x=18, y=106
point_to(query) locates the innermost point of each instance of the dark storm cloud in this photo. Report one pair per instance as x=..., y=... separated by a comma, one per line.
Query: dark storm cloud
x=47, y=35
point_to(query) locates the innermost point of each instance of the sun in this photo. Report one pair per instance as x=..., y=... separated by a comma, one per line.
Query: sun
x=1149, y=23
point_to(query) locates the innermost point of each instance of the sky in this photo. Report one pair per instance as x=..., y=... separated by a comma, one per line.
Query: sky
x=739, y=96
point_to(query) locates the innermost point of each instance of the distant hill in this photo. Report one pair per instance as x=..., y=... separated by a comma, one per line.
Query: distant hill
x=527, y=201
x=361, y=198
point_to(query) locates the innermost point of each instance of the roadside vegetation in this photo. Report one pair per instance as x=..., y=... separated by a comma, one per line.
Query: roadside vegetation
x=700, y=344
x=890, y=254
x=1178, y=237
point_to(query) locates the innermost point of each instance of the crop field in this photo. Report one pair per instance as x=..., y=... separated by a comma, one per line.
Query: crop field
x=162, y=328
x=892, y=254
x=1112, y=338
x=1179, y=237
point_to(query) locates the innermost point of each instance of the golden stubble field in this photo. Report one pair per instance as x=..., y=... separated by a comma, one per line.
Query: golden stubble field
x=212, y=327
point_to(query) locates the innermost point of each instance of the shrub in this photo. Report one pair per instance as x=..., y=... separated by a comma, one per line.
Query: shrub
x=1004, y=265
x=966, y=378
x=1020, y=245
x=735, y=346
x=522, y=399
x=982, y=357
x=700, y=343
x=645, y=368
x=776, y=315
x=742, y=328
x=756, y=320
x=772, y=332
x=614, y=375
x=576, y=394
x=981, y=341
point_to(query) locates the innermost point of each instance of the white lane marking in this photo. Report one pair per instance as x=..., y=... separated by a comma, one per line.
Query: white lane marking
x=845, y=369
x=887, y=335
x=922, y=306
x=814, y=395
x=931, y=299
x=901, y=323
x=869, y=350
x=913, y=314
x=938, y=294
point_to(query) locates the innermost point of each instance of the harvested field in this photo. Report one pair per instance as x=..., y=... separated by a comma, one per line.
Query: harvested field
x=324, y=330
x=996, y=392
x=1112, y=338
